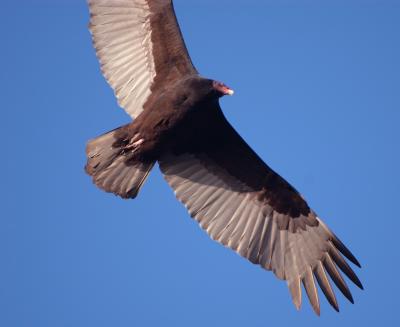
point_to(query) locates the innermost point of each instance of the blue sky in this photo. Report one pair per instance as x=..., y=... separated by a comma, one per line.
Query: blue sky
x=317, y=96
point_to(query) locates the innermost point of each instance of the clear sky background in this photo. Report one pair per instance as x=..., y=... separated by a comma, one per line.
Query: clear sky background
x=317, y=96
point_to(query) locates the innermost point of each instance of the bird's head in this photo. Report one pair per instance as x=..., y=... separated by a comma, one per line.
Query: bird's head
x=221, y=89
x=204, y=89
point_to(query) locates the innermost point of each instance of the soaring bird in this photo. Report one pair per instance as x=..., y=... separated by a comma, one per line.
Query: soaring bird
x=178, y=123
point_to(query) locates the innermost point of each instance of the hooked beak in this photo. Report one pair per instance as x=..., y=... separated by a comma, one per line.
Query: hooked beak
x=226, y=90
x=229, y=91
x=223, y=89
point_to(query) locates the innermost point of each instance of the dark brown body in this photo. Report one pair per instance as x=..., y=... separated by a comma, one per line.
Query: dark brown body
x=172, y=117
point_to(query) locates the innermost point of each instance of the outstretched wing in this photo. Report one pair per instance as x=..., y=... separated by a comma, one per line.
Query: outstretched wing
x=240, y=202
x=140, y=48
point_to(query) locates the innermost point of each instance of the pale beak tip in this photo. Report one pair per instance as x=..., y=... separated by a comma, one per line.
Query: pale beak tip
x=230, y=92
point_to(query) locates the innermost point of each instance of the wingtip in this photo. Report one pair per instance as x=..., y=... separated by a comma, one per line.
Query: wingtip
x=355, y=261
x=311, y=290
x=345, y=251
x=295, y=292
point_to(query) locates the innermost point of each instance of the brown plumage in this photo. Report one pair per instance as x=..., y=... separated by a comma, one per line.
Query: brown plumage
x=236, y=198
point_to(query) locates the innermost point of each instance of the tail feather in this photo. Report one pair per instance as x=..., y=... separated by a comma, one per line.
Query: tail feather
x=110, y=168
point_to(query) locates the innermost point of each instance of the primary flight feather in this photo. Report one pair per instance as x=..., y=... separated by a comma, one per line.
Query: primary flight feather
x=236, y=198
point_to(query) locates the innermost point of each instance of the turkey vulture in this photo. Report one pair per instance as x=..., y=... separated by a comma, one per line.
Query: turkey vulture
x=178, y=123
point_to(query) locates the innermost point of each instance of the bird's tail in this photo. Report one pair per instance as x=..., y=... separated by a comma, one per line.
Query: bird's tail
x=113, y=166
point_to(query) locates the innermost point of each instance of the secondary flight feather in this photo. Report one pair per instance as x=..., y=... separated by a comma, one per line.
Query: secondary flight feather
x=177, y=121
